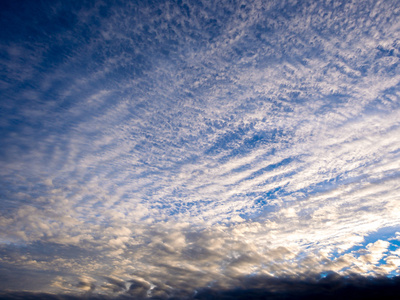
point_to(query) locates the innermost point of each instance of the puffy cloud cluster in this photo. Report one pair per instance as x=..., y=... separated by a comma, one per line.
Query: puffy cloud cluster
x=177, y=260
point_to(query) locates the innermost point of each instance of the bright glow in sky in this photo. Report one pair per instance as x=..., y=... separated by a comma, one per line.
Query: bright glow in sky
x=178, y=149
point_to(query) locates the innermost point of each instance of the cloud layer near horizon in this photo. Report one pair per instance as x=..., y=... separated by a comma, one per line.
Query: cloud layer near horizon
x=170, y=146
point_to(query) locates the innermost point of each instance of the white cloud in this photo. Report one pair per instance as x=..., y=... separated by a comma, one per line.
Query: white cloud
x=190, y=152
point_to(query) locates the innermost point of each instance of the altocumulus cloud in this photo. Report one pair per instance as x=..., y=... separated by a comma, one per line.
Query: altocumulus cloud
x=200, y=149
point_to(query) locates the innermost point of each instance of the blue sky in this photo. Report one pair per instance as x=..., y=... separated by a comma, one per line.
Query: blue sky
x=158, y=148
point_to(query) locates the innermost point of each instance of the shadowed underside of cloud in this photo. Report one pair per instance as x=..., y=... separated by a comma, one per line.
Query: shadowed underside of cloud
x=177, y=261
x=332, y=286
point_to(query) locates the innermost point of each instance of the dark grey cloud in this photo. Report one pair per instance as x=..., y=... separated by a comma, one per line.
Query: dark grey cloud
x=332, y=286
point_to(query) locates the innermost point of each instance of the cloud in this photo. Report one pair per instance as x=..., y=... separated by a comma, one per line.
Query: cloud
x=175, y=149
x=332, y=286
x=175, y=260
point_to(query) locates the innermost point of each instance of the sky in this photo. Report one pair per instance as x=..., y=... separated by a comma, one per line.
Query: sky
x=201, y=149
